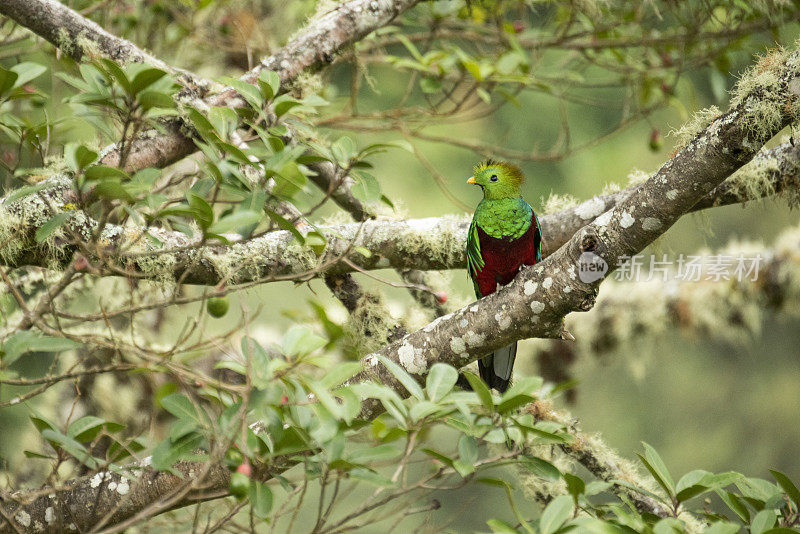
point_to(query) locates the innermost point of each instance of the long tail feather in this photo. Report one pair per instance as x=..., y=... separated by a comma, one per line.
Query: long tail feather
x=496, y=368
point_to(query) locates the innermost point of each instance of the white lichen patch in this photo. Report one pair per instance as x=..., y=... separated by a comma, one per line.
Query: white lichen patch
x=590, y=209
x=567, y=289
x=474, y=339
x=537, y=307
x=626, y=220
x=556, y=203
x=23, y=518
x=651, y=223
x=463, y=323
x=603, y=220
x=457, y=345
x=98, y=479
x=123, y=487
x=503, y=320
x=411, y=358
x=49, y=515
x=529, y=287
x=548, y=282
x=672, y=194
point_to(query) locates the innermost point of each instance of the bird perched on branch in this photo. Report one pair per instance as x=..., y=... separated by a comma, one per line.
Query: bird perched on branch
x=504, y=236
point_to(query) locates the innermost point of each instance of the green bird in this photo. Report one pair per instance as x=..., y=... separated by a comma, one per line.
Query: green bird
x=504, y=236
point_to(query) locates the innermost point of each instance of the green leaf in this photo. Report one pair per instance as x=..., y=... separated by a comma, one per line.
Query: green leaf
x=181, y=407
x=51, y=225
x=117, y=74
x=668, y=525
x=7, y=80
x=145, y=78
x=300, y=340
x=114, y=190
x=430, y=85
x=78, y=156
x=270, y=83
x=501, y=527
x=344, y=149
x=653, y=462
x=339, y=373
x=25, y=191
x=88, y=427
x=735, y=504
x=468, y=449
x=446, y=460
x=367, y=188
x=202, y=124
x=479, y=387
x=511, y=403
x=541, y=468
x=692, y=484
x=403, y=377
x=167, y=453
x=284, y=104
x=440, y=380
x=202, y=212
x=556, y=513
x=763, y=520
x=102, y=172
x=260, y=499
x=155, y=99
x=27, y=71
x=249, y=92
x=575, y=485
x=788, y=486
x=69, y=445
x=25, y=341
x=235, y=221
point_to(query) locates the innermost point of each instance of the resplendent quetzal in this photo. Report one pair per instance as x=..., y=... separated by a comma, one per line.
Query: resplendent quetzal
x=504, y=236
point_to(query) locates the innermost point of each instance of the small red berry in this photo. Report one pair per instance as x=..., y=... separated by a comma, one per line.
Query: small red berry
x=245, y=469
x=518, y=26
x=441, y=296
x=284, y=399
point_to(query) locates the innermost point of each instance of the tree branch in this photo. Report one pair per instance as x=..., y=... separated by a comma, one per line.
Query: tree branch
x=422, y=244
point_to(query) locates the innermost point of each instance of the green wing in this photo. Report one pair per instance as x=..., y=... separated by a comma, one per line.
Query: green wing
x=474, y=260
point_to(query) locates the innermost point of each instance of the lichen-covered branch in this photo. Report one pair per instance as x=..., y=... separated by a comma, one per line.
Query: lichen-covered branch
x=420, y=244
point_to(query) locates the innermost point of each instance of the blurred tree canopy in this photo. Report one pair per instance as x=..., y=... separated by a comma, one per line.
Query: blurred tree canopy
x=232, y=257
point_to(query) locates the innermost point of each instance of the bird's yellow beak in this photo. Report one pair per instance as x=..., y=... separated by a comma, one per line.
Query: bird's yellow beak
x=471, y=180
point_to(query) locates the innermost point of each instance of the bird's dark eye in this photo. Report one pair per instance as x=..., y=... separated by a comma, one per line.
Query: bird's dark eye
x=493, y=178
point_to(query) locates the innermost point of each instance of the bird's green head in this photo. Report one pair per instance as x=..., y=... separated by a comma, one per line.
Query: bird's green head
x=498, y=179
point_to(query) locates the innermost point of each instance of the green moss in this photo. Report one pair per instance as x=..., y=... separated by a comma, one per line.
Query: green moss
x=694, y=126
x=556, y=203
x=371, y=325
x=761, y=93
x=11, y=246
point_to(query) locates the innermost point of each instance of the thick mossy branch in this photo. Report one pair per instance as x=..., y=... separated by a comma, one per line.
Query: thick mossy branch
x=429, y=244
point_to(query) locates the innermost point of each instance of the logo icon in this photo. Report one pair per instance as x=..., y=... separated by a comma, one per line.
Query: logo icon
x=591, y=267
